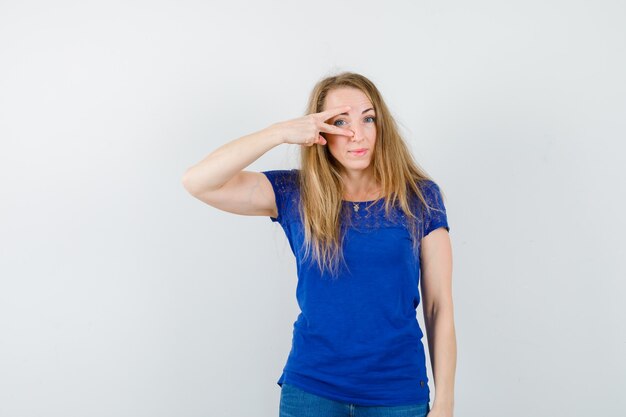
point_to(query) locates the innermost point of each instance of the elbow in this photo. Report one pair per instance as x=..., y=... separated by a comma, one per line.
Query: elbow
x=196, y=186
x=429, y=311
x=442, y=308
x=186, y=182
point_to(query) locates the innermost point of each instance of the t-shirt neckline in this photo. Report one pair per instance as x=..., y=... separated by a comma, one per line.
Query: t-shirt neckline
x=361, y=202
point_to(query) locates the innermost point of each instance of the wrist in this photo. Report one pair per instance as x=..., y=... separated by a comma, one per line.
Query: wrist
x=274, y=134
x=443, y=404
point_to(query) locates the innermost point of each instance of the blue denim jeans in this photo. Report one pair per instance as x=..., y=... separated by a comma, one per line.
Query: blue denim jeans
x=295, y=402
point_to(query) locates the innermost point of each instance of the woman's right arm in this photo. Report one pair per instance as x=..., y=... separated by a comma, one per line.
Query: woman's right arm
x=219, y=179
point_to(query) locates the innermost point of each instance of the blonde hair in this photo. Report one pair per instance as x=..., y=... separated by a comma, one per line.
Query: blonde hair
x=322, y=188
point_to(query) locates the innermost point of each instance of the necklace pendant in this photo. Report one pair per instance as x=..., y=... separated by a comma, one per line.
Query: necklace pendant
x=355, y=206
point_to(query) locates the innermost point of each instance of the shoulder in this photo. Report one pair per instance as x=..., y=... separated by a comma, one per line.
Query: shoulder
x=428, y=188
x=428, y=185
x=282, y=176
x=433, y=202
x=283, y=180
x=431, y=191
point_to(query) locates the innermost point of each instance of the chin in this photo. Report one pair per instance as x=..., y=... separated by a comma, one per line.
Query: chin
x=357, y=166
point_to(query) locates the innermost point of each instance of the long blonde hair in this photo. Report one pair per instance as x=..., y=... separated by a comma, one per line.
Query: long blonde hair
x=322, y=188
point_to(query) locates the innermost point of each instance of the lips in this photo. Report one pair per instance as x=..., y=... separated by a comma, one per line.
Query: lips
x=358, y=152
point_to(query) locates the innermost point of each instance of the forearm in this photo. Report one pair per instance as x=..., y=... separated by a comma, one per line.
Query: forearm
x=442, y=349
x=223, y=163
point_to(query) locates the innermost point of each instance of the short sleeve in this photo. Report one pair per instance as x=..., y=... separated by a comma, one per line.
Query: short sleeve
x=437, y=217
x=284, y=184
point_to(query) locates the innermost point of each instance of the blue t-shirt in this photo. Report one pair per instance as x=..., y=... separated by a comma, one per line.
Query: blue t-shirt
x=357, y=338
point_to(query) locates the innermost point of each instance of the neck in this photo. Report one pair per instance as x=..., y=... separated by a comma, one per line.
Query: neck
x=360, y=185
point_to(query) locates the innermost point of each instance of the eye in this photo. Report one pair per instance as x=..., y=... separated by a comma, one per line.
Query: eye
x=368, y=117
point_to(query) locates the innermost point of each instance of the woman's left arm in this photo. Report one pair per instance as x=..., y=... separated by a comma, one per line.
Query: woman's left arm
x=436, y=288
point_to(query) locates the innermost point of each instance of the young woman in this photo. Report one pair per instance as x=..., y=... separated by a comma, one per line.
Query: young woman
x=367, y=227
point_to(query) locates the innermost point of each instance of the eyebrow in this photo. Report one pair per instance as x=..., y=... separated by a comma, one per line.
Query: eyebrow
x=345, y=114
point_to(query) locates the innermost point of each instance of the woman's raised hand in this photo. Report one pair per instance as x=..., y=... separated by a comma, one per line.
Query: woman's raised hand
x=306, y=130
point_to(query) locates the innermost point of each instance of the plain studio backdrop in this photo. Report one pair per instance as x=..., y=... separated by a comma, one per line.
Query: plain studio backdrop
x=123, y=295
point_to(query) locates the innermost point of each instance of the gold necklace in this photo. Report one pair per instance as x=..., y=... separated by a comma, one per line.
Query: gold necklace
x=355, y=205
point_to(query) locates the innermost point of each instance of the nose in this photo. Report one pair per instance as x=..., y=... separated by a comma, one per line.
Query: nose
x=357, y=136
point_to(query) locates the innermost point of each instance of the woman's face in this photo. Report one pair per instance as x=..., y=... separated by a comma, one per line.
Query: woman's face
x=360, y=119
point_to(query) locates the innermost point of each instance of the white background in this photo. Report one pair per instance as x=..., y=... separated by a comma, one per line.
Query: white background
x=122, y=295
